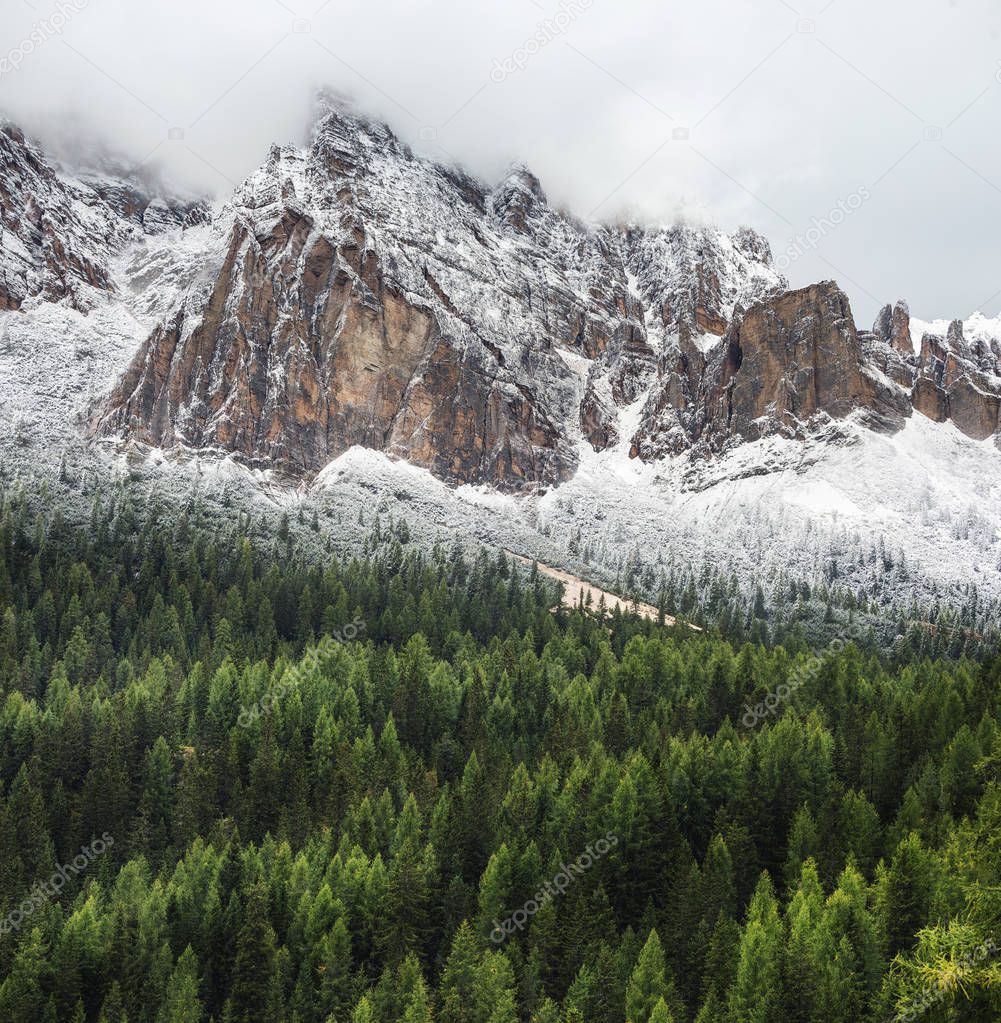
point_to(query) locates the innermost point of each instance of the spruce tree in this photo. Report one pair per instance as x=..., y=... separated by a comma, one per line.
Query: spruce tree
x=254, y=961
x=648, y=983
x=756, y=995
x=182, y=1004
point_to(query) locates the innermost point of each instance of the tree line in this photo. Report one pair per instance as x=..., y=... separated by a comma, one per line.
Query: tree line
x=345, y=854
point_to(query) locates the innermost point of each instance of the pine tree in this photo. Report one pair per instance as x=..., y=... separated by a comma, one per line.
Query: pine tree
x=21, y=994
x=803, y=845
x=648, y=983
x=804, y=957
x=661, y=1013
x=337, y=986
x=903, y=892
x=458, y=978
x=418, y=1006
x=254, y=962
x=411, y=877
x=493, y=998
x=756, y=995
x=182, y=1004
x=364, y=1013
x=113, y=1007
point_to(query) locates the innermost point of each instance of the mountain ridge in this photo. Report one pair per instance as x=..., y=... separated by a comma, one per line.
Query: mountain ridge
x=352, y=293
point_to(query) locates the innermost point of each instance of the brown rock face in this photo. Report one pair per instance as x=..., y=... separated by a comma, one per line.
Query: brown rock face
x=930, y=400
x=597, y=420
x=9, y=300
x=790, y=359
x=370, y=298
x=781, y=364
x=975, y=412
x=291, y=380
x=47, y=249
x=366, y=297
x=893, y=326
x=959, y=380
x=517, y=198
x=59, y=235
x=315, y=338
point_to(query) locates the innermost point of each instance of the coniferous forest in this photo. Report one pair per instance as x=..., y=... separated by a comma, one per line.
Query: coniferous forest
x=241, y=784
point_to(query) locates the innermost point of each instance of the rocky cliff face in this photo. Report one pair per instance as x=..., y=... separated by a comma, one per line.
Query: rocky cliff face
x=51, y=239
x=59, y=233
x=957, y=378
x=787, y=364
x=351, y=293
x=953, y=375
x=369, y=297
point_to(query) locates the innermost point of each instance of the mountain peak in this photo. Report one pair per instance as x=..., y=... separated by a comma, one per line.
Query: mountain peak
x=362, y=295
x=520, y=174
x=334, y=104
x=345, y=138
x=518, y=197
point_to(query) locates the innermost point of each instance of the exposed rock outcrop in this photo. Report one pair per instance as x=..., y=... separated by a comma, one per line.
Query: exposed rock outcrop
x=784, y=364
x=793, y=358
x=951, y=377
x=59, y=234
x=372, y=298
x=351, y=293
x=893, y=326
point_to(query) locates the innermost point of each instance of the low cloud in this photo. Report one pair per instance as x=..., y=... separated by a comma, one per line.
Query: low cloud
x=763, y=114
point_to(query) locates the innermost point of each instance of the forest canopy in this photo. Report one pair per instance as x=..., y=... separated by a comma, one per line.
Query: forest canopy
x=402, y=787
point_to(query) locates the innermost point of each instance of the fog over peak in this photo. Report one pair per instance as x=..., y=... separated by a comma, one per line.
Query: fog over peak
x=858, y=138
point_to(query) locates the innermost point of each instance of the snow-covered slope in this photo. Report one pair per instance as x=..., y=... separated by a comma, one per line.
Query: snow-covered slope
x=372, y=297
x=358, y=324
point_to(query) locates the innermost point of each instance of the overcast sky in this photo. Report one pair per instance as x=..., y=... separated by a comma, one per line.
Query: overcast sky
x=879, y=120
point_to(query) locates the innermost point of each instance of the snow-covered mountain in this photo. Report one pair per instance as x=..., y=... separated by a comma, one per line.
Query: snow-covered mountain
x=611, y=389
x=60, y=232
x=371, y=297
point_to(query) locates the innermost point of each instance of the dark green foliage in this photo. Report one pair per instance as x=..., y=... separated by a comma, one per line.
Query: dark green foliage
x=307, y=831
